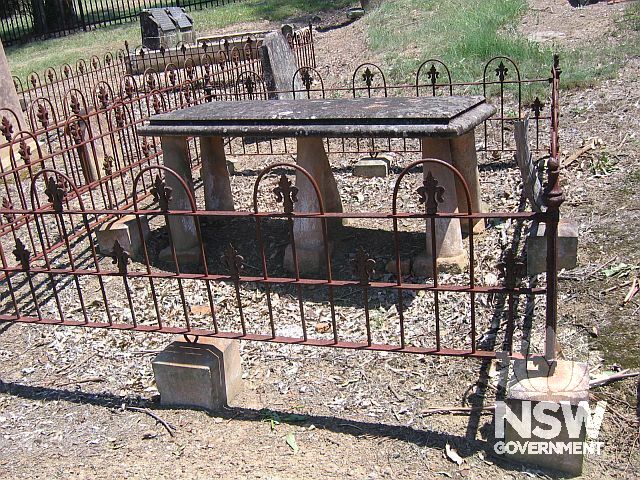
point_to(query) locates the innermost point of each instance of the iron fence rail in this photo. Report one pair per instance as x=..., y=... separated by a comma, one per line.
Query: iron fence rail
x=81, y=164
x=56, y=18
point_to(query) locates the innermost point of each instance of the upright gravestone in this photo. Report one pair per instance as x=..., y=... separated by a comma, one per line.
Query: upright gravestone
x=279, y=66
x=8, y=95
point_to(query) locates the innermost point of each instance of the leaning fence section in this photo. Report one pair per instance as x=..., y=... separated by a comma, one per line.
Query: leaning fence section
x=79, y=163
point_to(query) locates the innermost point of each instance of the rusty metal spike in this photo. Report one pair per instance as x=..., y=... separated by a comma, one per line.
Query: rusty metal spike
x=286, y=193
x=431, y=193
x=107, y=165
x=501, y=72
x=7, y=205
x=55, y=193
x=120, y=258
x=6, y=128
x=368, y=77
x=43, y=115
x=161, y=193
x=25, y=152
x=363, y=266
x=22, y=255
x=233, y=262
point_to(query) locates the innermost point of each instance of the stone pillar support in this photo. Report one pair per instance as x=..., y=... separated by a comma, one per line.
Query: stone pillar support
x=449, y=249
x=215, y=175
x=183, y=228
x=465, y=160
x=308, y=232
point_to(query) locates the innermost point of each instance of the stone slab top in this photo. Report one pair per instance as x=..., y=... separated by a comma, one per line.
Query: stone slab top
x=346, y=117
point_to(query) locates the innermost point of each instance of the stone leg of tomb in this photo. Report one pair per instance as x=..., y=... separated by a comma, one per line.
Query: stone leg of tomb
x=183, y=227
x=449, y=250
x=215, y=175
x=308, y=233
x=465, y=160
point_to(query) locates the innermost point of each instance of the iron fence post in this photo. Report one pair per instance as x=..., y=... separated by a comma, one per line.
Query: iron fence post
x=553, y=197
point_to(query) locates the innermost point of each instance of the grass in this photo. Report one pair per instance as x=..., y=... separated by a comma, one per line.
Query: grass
x=464, y=35
x=39, y=55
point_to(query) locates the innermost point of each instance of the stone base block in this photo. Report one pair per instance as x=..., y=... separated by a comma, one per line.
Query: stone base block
x=205, y=375
x=405, y=266
x=310, y=260
x=185, y=257
x=537, y=247
x=422, y=265
x=478, y=224
x=540, y=382
x=126, y=231
x=370, y=167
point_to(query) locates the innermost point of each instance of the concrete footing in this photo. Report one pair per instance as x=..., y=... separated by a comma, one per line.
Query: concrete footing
x=559, y=387
x=205, y=375
x=126, y=231
x=370, y=167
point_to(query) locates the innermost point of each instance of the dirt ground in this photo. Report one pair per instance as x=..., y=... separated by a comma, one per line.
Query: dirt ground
x=64, y=393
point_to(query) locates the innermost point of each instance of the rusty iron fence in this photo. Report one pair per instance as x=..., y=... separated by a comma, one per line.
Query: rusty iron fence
x=22, y=20
x=81, y=164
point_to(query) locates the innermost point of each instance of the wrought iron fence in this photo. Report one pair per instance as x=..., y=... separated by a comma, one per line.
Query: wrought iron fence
x=21, y=20
x=79, y=163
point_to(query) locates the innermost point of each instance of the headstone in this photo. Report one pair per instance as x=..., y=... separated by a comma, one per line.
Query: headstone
x=8, y=95
x=126, y=231
x=183, y=23
x=370, y=167
x=536, y=247
x=158, y=29
x=530, y=180
x=279, y=66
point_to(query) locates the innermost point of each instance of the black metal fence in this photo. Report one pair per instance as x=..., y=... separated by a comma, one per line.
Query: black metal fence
x=22, y=20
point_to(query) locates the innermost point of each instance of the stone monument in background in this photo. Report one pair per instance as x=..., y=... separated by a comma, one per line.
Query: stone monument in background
x=8, y=95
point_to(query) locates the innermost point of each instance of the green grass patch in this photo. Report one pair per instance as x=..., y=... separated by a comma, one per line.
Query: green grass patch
x=464, y=35
x=39, y=55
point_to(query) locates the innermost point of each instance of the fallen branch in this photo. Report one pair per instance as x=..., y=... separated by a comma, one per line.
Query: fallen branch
x=170, y=428
x=599, y=382
x=457, y=410
x=591, y=145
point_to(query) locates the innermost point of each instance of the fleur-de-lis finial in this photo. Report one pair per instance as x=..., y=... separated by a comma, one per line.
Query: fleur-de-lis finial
x=43, y=115
x=128, y=88
x=7, y=205
x=501, y=71
x=537, y=107
x=6, y=128
x=364, y=266
x=368, y=76
x=146, y=147
x=161, y=193
x=55, y=193
x=22, y=255
x=25, y=152
x=103, y=97
x=307, y=79
x=120, y=258
x=74, y=104
x=431, y=193
x=233, y=262
x=433, y=74
x=151, y=81
x=286, y=193
x=50, y=75
x=157, y=105
x=107, y=165
x=250, y=85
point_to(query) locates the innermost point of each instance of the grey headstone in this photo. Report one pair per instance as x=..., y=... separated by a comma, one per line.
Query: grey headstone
x=530, y=180
x=8, y=95
x=180, y=18
x=279, y=66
